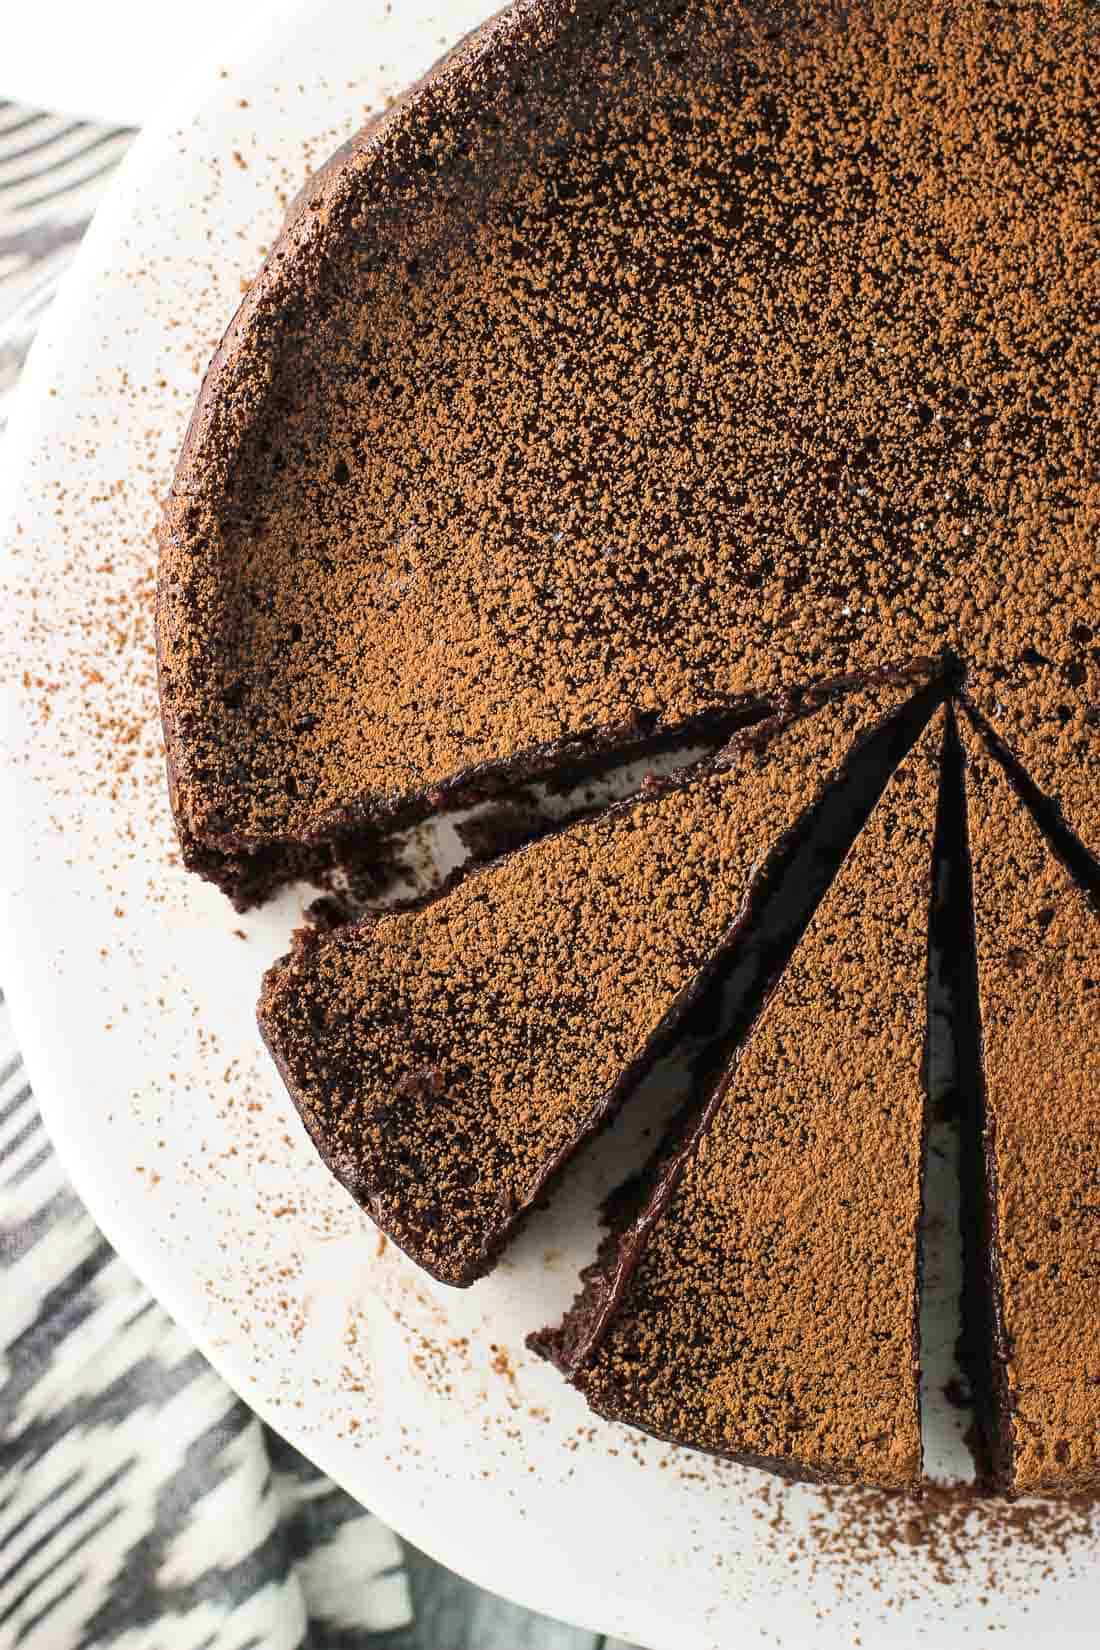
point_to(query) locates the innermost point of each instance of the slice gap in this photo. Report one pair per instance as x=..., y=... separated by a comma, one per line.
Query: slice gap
x=1032, y=1175
x=449, y=1060
x=1078, y=859
x=359, y=850
x=720, y=1313
x=416, y=863
x=798, y=878
x=958, y=1371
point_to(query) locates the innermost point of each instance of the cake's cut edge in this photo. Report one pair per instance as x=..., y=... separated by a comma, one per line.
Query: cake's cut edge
x=249, y=871
x=249, y=874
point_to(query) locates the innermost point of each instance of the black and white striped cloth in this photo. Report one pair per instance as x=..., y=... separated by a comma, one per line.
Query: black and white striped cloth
x=142, y=1505
x=52, y=173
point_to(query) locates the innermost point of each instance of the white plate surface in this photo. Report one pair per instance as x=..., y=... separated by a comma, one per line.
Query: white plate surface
x=116, y=60
x=134, y=985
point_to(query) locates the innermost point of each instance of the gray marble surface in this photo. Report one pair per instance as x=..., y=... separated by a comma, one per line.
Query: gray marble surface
x=220, y=1537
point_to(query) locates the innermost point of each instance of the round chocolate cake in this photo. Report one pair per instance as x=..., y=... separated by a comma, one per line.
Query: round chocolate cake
x=650, y=369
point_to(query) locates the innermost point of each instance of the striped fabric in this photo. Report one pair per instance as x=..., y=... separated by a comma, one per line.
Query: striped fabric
x=141, y=1503
x=52, y=172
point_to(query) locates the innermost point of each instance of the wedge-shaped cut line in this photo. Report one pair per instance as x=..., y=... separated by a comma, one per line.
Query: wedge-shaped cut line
x=1032, y=1204
x=763, y=1301
x=1078, y=857
x=448, y=1060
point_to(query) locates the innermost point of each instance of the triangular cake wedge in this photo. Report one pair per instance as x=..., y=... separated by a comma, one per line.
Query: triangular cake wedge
x=763, y=1304
x=449, y=1059
x=1035, y=1249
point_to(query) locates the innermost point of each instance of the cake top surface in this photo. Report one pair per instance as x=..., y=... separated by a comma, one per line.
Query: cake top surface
x=446, y=1057
x=644, y=358
x=771, y=1310
x=1038, y=941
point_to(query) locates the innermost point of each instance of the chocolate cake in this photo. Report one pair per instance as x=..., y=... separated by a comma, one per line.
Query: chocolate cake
x=763, y=1302
x=448, y=1059
x=643, y=359
x=1038, y=1109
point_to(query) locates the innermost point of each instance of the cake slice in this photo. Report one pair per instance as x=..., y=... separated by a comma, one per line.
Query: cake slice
x=448, y=1059
x=1034, y=1257
x=761, y=1300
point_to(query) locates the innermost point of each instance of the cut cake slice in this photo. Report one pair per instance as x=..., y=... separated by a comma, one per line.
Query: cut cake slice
x=761, y=1299
x=447, y=1060
x=1034, y=1220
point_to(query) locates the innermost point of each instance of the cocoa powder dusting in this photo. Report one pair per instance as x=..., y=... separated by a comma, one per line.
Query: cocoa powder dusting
x=641, y=359
x=770, y=1313
x=961, y=1538
x=1038, y=941
x=772, y=357
x=445, y=1058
